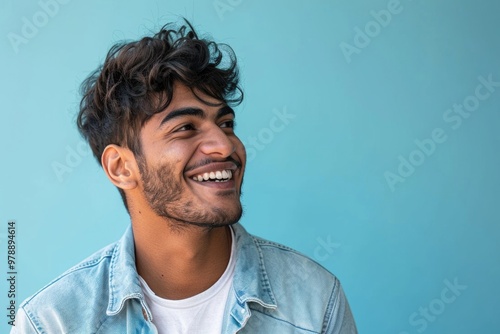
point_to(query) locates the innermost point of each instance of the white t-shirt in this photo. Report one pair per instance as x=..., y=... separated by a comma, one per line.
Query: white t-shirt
x=202, y=313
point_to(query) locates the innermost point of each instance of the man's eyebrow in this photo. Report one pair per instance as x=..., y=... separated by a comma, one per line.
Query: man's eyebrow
x=224, y=111
x=189, y=111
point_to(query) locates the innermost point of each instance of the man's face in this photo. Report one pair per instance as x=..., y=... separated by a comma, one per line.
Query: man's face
x=192, y=163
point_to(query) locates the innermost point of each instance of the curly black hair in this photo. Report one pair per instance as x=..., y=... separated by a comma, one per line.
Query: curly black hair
x=137, y=78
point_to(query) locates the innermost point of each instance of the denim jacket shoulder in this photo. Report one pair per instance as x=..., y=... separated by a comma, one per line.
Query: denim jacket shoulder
x=303, y=297
x=98, y=295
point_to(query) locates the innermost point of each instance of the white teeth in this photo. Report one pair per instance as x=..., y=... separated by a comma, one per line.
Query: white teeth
x=217, y=176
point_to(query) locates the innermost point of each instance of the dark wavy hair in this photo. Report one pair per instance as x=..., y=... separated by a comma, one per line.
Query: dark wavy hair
x=137, y=78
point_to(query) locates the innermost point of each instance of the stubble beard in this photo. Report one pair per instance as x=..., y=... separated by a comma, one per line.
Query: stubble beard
x=164, y=195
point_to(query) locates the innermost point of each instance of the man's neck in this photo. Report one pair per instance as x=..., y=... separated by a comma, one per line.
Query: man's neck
x=180, y=263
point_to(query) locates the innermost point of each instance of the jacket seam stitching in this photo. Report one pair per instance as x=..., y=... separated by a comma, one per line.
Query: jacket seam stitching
x=287, y=322
x=265, y=278
x=330, y=307
x=111, y=277
x=33, y=322
x=102, y=324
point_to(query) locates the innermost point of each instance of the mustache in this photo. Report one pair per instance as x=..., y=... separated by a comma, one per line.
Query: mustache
x=209, y=161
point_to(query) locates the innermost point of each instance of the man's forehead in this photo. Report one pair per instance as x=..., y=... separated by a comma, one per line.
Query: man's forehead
x=182, y=93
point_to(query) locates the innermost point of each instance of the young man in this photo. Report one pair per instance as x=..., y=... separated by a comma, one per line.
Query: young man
x=158, y=118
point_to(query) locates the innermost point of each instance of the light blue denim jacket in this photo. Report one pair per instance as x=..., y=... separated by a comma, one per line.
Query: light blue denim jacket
x=275, y=290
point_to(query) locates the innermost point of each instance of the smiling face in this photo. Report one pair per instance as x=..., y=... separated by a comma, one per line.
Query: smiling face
x=192, y=163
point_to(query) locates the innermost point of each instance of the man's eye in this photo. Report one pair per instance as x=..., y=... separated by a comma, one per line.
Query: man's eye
x=228, y=124
x=186, y=127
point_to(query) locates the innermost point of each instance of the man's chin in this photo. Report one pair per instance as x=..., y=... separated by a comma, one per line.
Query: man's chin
x=180, y=225
x=218, y=217
x=226, y=217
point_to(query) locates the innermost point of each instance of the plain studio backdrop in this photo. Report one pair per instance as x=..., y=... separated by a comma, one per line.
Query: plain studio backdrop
x=371, y=129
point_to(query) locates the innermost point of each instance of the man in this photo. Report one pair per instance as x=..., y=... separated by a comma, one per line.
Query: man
x=158, y=118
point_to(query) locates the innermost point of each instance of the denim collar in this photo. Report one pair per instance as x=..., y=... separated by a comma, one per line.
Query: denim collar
x=123, y=278
x=250, y=283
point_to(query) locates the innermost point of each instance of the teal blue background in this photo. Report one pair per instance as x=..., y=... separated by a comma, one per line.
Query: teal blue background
x=319, y=180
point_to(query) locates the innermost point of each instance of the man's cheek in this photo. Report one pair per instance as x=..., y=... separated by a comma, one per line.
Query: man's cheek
x=241, y=151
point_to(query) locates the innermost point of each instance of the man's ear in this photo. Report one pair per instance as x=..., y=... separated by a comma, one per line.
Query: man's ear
x=120, y=166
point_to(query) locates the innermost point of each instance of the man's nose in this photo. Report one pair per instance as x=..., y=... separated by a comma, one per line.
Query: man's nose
x=217, y=143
